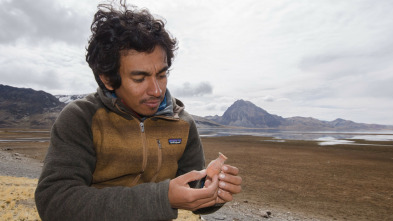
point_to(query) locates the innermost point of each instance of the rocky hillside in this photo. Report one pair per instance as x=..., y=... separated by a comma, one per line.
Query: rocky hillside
x=24, y=107
x=246, y=114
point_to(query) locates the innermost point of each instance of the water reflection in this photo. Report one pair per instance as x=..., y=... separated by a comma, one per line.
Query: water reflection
x=26, y=139
x=324, y=141
x=323, y=137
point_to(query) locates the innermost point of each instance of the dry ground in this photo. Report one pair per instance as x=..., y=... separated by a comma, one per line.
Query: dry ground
x=341, y=182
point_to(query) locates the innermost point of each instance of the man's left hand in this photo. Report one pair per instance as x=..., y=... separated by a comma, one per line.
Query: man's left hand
x=229, y=183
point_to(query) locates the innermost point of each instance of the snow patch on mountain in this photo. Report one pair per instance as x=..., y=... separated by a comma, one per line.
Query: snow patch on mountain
x=68, y=98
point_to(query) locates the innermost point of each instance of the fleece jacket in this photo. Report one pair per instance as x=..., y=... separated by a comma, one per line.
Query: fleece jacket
x=103, y=163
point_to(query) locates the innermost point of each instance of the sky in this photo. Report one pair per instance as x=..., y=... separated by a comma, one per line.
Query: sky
x=310, y=58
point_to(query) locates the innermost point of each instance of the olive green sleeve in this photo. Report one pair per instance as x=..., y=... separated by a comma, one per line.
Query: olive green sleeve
x=64, y=191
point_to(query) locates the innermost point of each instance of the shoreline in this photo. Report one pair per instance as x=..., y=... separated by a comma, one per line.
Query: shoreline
x=18, y=165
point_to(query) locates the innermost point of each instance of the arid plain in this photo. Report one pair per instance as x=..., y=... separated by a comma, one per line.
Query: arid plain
x=338, y=182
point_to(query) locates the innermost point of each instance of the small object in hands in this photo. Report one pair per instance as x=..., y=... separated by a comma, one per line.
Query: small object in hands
x=214, y=167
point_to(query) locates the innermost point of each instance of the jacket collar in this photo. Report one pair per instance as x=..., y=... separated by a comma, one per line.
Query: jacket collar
x=172, y=109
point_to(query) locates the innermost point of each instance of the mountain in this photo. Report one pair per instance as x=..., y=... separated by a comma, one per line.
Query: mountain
x=246, y=114
x=309, y=123
x=25, y=107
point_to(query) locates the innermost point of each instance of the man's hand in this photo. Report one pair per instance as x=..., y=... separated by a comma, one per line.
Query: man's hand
x=181, y=196
x=229, y=183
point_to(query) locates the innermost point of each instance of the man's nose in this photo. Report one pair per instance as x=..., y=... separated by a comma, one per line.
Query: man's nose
x=154, y=88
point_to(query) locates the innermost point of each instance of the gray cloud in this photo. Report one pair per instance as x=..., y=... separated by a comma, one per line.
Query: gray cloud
x=380, y=88
x=348, y=74
x=327, y=60
x=50, y=79
x=269, y=98
x=40, y=20
x=341, y=64
x=190, y=90
x=45, y=80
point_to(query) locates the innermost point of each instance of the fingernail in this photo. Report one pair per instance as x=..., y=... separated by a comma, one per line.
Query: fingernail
x=222, y=176
x=222, y=184
x=225, y=168
x=219, y=191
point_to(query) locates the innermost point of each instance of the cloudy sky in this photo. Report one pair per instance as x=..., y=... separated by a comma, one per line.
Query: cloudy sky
x=322, y=59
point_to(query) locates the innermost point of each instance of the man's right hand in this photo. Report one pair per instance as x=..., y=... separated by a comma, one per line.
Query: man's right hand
x=182, y=196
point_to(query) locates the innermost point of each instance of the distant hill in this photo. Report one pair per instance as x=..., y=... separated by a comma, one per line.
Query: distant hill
x=246, y=114
x=25, y=107
x=202, y=122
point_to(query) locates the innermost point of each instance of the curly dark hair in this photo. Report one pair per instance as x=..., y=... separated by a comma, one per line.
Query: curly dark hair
x=116, y=30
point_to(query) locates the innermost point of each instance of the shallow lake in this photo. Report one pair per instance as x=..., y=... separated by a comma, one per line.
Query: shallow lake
x=323, y=137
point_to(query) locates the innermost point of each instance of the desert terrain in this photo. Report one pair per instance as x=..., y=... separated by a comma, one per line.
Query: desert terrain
x=291, y=180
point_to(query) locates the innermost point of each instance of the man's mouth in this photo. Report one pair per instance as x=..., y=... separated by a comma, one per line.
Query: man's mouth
x=152, y=103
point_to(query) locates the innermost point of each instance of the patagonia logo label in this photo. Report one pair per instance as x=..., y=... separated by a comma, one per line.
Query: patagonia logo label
x=174, y=141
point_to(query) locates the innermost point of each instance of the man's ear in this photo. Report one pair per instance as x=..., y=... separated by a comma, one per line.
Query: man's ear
x=106, y=82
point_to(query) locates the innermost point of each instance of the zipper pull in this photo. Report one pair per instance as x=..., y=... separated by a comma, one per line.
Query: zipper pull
x=159, y=143
x=142, y=127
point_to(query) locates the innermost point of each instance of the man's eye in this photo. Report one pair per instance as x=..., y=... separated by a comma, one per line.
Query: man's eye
x=162, y=76
x=138, y=80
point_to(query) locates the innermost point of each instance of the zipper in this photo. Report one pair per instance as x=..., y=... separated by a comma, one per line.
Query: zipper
x=142, y=126
x=159, y=144
x=144, y=153
x=159, y=160
x=144, y=142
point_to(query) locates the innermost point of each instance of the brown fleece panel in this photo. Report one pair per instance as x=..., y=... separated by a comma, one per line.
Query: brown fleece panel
x=119, y=149
x=164, y=130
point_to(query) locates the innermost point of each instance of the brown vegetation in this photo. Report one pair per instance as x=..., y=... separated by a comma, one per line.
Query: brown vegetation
x=17, y=198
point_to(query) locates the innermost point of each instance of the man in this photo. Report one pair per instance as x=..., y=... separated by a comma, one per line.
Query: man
x=129, y=151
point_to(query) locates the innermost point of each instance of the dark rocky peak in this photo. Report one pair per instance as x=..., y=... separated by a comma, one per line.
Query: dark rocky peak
x=246, y=107
x=26, y=101
x=246, y=114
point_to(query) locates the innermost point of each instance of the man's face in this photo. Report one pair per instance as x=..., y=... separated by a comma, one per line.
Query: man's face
x=143, y=80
